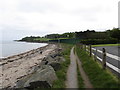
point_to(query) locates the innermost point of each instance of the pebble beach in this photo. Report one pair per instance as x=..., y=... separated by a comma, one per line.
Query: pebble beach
x=14, y=68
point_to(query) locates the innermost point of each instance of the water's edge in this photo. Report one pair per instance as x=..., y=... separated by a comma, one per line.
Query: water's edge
x=24, y=54
x=17, y=48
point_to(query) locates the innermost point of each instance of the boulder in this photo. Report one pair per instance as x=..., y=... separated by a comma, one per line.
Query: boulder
x=53, y=60
x=55, y=55
x=59, y=59
x=62, y=59
x=48, y=58
x=43, y=77
x=55, y=65
x=43, y=62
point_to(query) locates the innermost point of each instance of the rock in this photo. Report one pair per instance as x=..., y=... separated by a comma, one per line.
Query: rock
x=39, y=84
x=43, y=77
x=48, y=58
x=59, y=59
x=43, y=62
x=55, y=55
x=62, y=59
x=54, y=60
x=33, y=69
x=55, y=65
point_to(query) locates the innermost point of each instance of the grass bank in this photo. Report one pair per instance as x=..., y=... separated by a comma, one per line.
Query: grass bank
x=80, y=80
x=100, y=45
x=61, y=74
x=99, y=78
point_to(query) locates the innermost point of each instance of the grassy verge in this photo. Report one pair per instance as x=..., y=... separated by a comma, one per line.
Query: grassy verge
x=100, y=45
x=80, y=80
x=99, y=78
x=61, y=74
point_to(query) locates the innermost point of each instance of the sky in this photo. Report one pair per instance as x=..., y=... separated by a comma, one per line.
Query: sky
x=20, y=18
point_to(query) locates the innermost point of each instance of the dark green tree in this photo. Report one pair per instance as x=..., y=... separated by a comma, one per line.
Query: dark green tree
x=115, y=33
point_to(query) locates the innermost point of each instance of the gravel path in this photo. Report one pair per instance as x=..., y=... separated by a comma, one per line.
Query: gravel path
x=72, y=81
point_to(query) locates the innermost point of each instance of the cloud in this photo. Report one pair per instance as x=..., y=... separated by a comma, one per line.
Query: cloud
x=41, y=6
x=57, y=16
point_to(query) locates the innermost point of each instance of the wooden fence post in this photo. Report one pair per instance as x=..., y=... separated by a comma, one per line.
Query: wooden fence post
x=90, y=51
x=95, y=55
x=82, y=46
x=104, y=58
x=85, y=47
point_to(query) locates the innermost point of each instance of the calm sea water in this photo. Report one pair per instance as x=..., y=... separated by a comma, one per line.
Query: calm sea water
x=9, y=48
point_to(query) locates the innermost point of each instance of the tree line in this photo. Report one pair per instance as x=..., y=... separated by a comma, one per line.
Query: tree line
x=111, y=35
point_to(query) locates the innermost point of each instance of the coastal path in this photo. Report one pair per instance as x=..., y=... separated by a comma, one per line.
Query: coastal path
x=72, y=80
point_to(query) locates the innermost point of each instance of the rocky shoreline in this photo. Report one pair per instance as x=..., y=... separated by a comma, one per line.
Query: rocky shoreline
x=32, y=69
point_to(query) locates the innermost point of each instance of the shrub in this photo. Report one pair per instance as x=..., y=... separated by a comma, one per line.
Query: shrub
x=99, y=41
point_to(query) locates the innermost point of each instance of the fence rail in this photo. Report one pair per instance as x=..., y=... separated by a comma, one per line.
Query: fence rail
x=109, y=55
x=89, y=49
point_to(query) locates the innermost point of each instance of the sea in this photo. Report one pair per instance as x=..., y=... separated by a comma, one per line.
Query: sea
x=9, y=48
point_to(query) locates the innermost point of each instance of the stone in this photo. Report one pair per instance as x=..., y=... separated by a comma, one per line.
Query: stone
x=62, y=59
x=43, y=77
x=59, y=59
x=39, y=84
x=55, y=65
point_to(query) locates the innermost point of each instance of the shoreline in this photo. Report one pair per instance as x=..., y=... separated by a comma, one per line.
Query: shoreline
x=22, y=53
x=32, y=41
x=18, y=66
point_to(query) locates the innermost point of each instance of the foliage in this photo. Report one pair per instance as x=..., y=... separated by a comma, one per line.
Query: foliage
x=69, y=41
x=64, y=35
x=86, y=37
x=34, y=39
x=99, y=41
x=91, y=35
x=115, y=33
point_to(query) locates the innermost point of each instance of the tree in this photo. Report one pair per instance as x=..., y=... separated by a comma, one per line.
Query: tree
x=115, y=33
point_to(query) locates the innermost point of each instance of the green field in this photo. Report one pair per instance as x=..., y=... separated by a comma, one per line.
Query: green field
x=41, y=39
x=100, y=45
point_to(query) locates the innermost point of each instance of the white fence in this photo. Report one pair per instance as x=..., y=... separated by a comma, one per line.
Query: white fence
x=114, y=57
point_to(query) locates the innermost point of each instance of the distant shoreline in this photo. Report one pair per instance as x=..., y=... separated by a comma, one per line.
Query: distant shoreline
x=24, y=52
x=32, y=41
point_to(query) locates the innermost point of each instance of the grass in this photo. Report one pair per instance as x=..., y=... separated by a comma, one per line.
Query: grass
x=59, y=38
x=99, y=78
x=41, y=39
x=61, y=74
x=80, y=80
x=100, y=45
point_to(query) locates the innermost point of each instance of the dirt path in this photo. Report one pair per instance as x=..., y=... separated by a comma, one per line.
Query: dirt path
x=72, y=81
x=85, y=78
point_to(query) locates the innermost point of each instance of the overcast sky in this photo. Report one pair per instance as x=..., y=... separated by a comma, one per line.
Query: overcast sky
x=19, y=18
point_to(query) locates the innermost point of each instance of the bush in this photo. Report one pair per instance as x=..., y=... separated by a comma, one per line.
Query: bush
x=99, y=41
